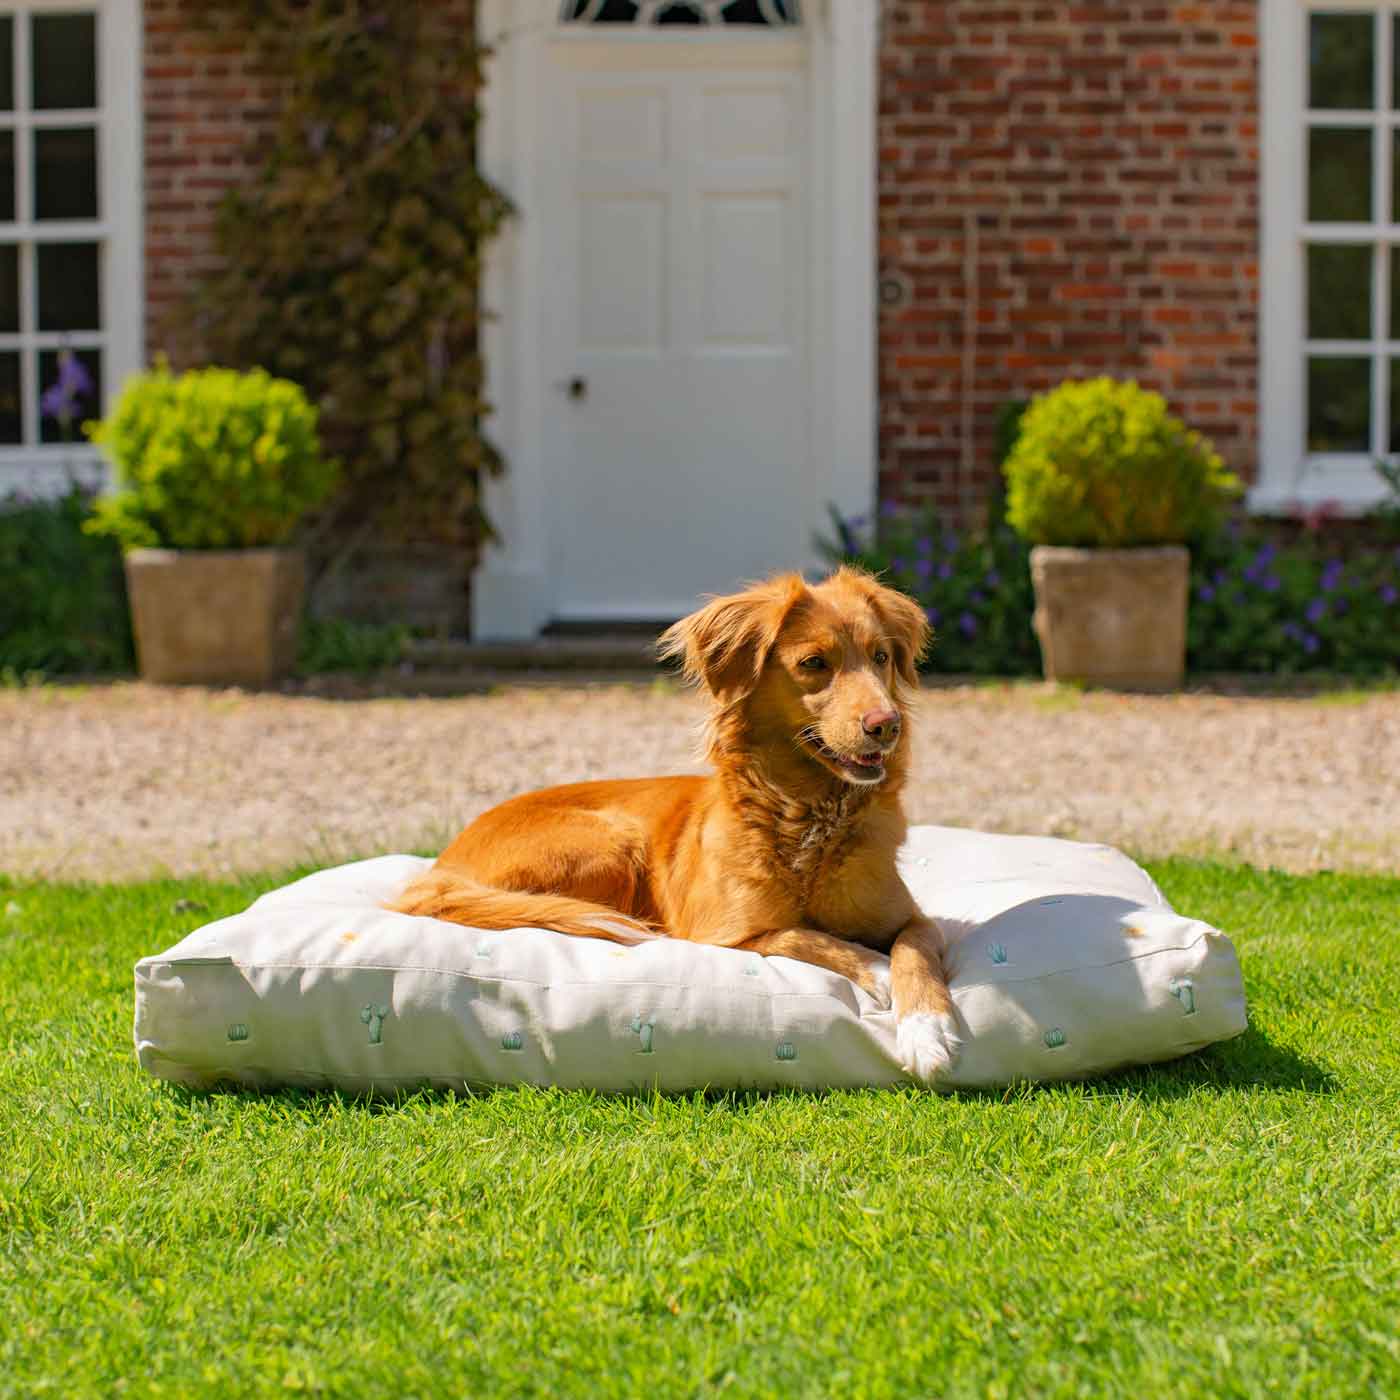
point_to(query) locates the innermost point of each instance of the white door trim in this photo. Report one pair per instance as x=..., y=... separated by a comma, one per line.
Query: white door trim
x=511, y=591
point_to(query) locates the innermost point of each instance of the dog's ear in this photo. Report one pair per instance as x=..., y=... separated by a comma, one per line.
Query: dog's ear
x=902, y=618
x=724, y=645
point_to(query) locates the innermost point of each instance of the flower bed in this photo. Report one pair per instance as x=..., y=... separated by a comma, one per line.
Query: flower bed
x=1255, y=606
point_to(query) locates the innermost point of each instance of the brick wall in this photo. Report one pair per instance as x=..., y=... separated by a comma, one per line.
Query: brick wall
x=1065, y=190
x=206, y=105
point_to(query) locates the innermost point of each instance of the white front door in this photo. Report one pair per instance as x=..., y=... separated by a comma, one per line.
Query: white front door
x=675, y=247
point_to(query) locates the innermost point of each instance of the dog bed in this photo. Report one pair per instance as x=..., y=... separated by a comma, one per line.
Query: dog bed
x=1065, y=961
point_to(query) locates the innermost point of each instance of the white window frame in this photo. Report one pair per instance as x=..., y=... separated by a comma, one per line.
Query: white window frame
x=1289, y=476
x=46, y=469
x=511, y=595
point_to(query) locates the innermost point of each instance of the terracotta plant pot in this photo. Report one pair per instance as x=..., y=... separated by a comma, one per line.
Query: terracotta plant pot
x=215, y=617
x=1112, y=617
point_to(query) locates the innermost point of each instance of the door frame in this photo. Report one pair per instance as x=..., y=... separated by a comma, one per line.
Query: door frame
x=512, y=588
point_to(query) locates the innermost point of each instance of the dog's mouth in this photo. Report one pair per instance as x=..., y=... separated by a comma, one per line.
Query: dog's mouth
x=865, y=767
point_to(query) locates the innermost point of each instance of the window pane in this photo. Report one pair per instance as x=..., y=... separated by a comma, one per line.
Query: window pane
x=69, y=296
x=64, y=61
x=7, y=63
x=7, y=177
x=80, y=398
x=11, y=419
x=65, y=173
x=1341, y=60
x=1339, y=291
x=1394, y=405
x=1339, y=404
x=1339, y=176
x=9, y=289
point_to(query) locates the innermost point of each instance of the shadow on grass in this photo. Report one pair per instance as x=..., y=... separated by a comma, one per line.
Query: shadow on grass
x=1249, y=1061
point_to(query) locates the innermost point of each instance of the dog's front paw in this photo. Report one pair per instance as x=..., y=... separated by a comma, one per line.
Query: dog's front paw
x=927, y=1044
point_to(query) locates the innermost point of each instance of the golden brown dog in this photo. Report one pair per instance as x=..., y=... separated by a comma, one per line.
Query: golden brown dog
x=788, y=848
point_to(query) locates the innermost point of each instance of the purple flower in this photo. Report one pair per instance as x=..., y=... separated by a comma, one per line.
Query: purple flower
x=993, y=579
x=60, y=399
x=897, y=564
x=1206, y=592
x=1265, y=557
x=1331, y=575
x=933, y=616
x=950, y=540
x=1218, y=577
x=1270, y=583
x=923, y=567
x=925, y=544
x=1292, y=631
x=976, y=597
x=1388, y=594
x=967, y=625
x=858, y=522
x=945, y=570
x=889, y=509
x=1316, y=610
x=1310, y=643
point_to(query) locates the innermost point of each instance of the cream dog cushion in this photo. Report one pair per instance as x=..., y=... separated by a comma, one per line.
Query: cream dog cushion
x=1065, y=961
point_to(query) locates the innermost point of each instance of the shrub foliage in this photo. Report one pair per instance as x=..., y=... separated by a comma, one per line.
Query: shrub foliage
x=350, y=263
x=62, y=592
x=1098, y=462
x=1254, y=606
x=210, y=459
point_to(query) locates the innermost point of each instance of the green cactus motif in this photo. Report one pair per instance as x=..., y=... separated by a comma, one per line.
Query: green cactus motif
x=373, y=1016
x=997, y=952
x=643, y=1029
x=1184, y=990
x=1054, y=1038
x=513, y=1040
x=787, y=1050
x=238, y=1031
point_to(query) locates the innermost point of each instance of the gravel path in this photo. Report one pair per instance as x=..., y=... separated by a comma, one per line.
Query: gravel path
x=126, y=781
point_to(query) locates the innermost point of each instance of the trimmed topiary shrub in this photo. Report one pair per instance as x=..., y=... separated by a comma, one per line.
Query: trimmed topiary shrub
x=210, y=459
x=1103, y=463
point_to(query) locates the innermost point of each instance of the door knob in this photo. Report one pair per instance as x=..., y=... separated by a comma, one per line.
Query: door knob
x=576, y=388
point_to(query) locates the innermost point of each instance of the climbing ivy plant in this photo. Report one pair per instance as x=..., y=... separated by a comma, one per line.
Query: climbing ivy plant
x=349, y=263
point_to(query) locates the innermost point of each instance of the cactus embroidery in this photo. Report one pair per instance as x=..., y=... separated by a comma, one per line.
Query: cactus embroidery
x=643, y=1029
x=373, y=1016
x=512, y=1040
x=1184, y=990
x=1054, y=1038
x=238, y=1031
x=997, y=952
x=787, y=1050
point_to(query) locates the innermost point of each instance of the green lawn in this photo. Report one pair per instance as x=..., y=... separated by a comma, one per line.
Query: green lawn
x=1223, y=1226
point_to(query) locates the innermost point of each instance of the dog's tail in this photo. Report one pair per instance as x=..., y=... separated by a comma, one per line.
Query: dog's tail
x=448, y=894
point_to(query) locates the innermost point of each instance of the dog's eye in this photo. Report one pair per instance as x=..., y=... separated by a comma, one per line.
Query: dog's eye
x=881, y=657
x=813, y=663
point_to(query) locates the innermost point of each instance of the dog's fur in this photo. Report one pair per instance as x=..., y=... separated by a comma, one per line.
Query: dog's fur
x=788, y=848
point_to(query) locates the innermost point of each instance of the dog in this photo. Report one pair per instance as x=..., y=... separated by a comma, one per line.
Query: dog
x=786, y=849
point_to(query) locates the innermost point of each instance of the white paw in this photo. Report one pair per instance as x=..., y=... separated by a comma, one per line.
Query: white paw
x=927, y=1044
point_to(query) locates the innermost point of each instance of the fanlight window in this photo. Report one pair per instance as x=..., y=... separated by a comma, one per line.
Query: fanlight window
x=655, y=12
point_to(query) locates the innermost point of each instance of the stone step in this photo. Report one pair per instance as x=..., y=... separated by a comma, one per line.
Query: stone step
x=597, y=653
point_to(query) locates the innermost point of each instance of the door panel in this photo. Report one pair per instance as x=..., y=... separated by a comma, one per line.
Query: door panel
x=676, y=253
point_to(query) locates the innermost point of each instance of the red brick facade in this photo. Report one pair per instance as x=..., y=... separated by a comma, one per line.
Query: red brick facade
x=206, y=103
x=1065, y=190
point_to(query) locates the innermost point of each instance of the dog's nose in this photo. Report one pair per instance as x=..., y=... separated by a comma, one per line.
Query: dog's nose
x=880, y=724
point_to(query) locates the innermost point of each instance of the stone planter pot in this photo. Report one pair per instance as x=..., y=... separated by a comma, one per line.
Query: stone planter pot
x=215, y=617
x=1112, y=617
